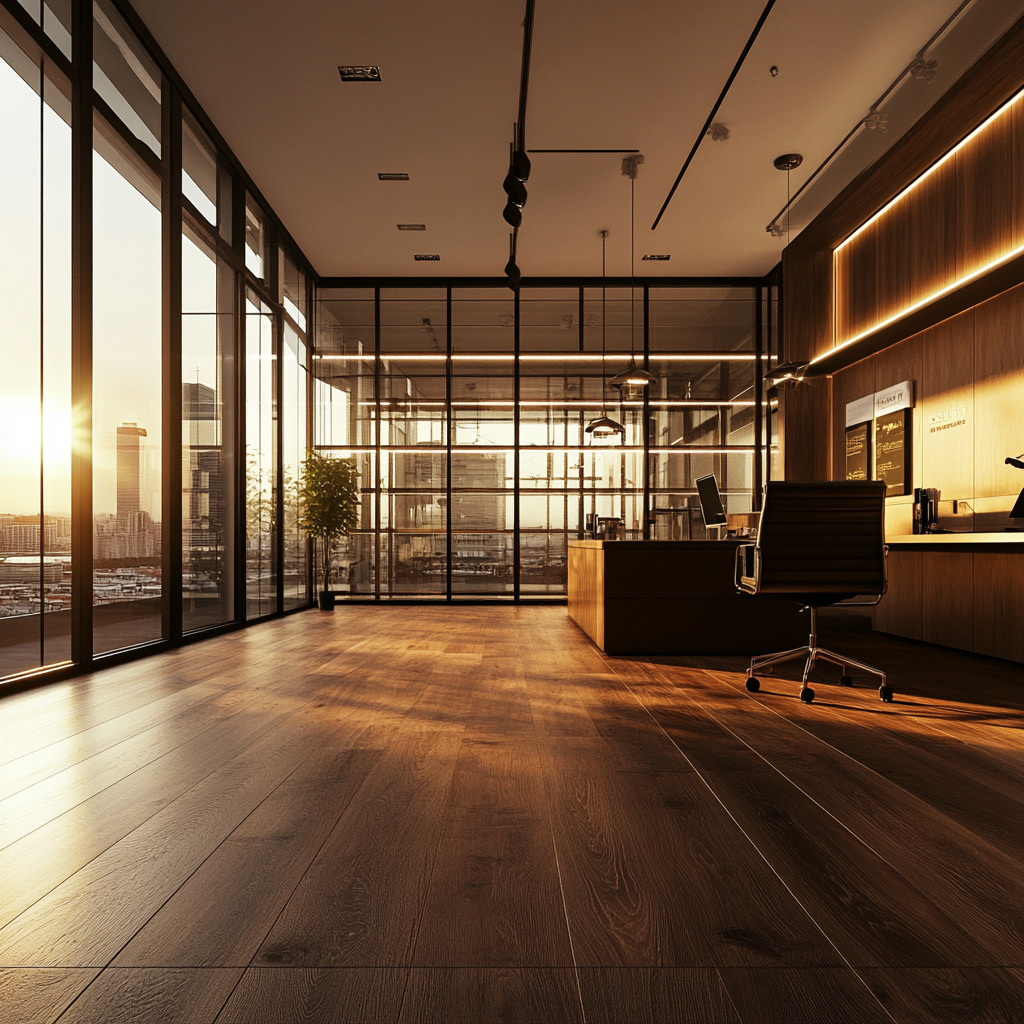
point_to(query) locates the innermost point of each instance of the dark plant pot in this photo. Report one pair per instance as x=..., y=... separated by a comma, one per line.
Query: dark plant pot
x=325, y=600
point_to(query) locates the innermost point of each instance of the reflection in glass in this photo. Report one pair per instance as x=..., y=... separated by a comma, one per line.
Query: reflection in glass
x=127, y=401
x=125, y=76
x=511, y=427
x=199, y=173
x=294, y=415
x=35, y=411
x=256, y=240
x=260, y=458
x=207, y=434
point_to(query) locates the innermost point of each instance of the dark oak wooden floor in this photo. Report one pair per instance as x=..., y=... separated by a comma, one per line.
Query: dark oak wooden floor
x=472, y=815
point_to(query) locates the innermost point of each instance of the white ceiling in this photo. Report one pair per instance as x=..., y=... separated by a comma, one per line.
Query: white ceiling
x=605, y=75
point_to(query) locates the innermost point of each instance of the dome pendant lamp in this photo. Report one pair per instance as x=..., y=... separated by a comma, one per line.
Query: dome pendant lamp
x=632, y=381
x=603, y=426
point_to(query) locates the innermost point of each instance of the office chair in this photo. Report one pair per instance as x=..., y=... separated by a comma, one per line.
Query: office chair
x=819, y=544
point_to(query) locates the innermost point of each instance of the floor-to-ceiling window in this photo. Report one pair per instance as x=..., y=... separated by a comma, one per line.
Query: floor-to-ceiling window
x=209, y=284
x=467, y=410
x=35, y=354
x=153, y=347
x=127, y=398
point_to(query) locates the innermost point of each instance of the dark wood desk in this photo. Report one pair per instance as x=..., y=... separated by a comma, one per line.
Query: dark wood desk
x=674, y=597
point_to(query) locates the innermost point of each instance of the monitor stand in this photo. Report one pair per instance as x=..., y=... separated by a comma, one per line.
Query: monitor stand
x=714, y=532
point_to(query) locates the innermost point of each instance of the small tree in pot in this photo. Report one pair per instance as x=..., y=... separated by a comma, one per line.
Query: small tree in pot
x=329, y=496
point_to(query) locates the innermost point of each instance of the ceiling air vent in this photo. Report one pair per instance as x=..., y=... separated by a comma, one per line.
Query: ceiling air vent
x=396, y=176
x=412, y=227
x=359, y=72
x=427, y=257
x=657, y=256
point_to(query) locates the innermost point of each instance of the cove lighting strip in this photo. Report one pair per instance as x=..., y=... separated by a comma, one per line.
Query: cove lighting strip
x=934, y=167
x=595, y=403
x=528, y=449
x=997, y=262
x=953, y=285
x=587, y=357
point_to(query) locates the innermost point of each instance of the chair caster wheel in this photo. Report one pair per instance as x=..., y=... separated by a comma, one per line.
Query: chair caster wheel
x=846, y=681
x=807, y=695
x=753, y=684
x=885, y=692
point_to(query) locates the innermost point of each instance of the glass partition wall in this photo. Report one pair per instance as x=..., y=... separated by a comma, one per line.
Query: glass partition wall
x=154, y=399
x=466, y=410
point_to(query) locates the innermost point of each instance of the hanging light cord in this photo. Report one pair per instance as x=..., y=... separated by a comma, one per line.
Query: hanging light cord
x=632, y=271
x=604, y=320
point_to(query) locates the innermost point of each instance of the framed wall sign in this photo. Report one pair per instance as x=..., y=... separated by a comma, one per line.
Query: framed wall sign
x=892, y=451
x=858, y=452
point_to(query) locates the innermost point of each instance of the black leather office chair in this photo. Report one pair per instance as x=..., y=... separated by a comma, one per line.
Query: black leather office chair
x=819, y=544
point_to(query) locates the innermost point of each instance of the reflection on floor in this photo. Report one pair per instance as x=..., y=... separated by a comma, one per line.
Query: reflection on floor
x=471, y=814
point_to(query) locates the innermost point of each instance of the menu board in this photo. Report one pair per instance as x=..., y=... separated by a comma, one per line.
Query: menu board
x=858, y=452
x=892, y=451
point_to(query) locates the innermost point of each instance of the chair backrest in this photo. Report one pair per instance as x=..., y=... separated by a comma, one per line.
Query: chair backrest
x=822, y=537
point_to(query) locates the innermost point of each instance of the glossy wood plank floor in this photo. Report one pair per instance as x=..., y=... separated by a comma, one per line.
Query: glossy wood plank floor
x=472, y=815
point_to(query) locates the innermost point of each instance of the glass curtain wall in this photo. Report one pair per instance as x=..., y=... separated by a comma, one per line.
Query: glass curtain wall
x=208, y=389
x=174, y=305
x=294, y=432
x=474, y=403
x=260, y=457
x=127, y=403
x=35, y=353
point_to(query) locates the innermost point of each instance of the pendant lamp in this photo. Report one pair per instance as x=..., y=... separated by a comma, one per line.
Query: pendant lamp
x=604, y=426
x=632, y=380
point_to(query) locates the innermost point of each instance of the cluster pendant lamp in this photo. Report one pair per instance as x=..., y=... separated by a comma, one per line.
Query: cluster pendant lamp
x=604, y=426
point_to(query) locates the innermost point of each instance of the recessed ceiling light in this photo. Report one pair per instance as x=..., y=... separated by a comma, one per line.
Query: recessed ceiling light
x=359, y=72
x=397, y=176
x=427, y=257
x=412, y=227
x=658, y=256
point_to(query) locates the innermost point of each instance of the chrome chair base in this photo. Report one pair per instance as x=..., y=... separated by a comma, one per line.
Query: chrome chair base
x=812, y=654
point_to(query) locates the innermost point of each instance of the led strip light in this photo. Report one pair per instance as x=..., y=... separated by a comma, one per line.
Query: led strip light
x=953, y=285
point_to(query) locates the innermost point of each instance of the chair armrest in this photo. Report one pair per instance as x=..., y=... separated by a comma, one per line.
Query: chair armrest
x=744, y=574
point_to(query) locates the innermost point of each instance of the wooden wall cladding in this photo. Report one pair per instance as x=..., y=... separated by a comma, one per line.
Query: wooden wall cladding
x=808, y=287
x=953, y=222
x=972, y=363
x=947, y=407
x=998, y=393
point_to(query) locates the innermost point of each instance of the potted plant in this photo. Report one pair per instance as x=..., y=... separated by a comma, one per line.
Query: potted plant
x=329, y=496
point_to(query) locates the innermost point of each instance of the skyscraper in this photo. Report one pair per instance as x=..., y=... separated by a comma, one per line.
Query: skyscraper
x=128, y=469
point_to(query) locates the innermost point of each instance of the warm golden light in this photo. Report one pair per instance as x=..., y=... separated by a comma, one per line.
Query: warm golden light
x=20, y=436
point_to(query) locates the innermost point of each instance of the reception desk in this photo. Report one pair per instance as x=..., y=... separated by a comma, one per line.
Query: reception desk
x=674, y=597
x=963, y=590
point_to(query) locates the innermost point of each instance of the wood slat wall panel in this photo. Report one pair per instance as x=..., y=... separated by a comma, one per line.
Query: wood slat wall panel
x=985, y=195
x=1018, y=175
x=922, y=248
x=947, y=390
x=999, y=394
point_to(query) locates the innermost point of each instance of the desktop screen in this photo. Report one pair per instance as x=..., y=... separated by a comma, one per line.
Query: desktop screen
x=710, y=501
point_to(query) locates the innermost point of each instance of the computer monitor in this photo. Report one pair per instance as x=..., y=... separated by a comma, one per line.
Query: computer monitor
x=710, y=501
